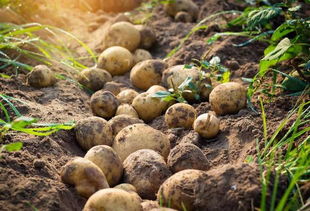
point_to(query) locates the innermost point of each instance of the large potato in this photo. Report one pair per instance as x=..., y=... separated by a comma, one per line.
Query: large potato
x=228, y=98
x=122, y=34
x=84, y=175
x=93, y=131
x=140, y=136
x=114, y=87
x=103, y=104
x=180, y=115
x=147, y=73
x=173, y=7
x=141, y=55
x=207, y=125
x=94, y=78
x=126, y=187
x=108, y=161
x=126, y=109
x=126, y=96
x=146, y=170
x=41, y=76
x=116, y=60
x=148, y=37
x=119, y=122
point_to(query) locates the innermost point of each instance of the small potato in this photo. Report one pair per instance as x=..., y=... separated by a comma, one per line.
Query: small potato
x=156, y=88
x=41, y=76
x=126, y=187
x=114, y=87
x=180, y=115
x=93, y=131
x=147, y=205
x=126, y=109
x=184, y=17
x=113, y=199
x=126, y=96
x=146, y=170
x=104, y=104
x=140, y=136
x=173, y=7
x=121, y=121
x=205, y=88
x=84, y=175
x=122, y=34
x=94, y=78
x=108, y=161
x=228, y=98
x=116, y=60
x=207, y=125
x=147, y=73
x=141, y=55
x=148, y=37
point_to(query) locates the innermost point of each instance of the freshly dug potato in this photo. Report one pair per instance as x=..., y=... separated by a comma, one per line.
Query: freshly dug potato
x=94, y=78
x=122, y=34
x=108, y=161
x=173, y=7
x=126, y=96
x=187, y=156
x=141, y=55
x=93, y=131
x=147, y=205
x=148, y=37
x=184, y=17
x=116, y=60
x=114, y=87
x=140, y=136
x=180, y=115
x=113, y=199
x=104, y=104
x=84, y=175
x=126, y=109
x=119, y=122
x=205, y=88
x=228, y=98
x=126, y=187
x=155, y=88
x=146, y=170
x=147, y=73
x=41, y=76
x=207, y=125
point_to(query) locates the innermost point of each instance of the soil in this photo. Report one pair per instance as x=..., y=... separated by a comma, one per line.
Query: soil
x=30, y=178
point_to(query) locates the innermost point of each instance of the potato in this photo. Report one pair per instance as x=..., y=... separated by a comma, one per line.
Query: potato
x=173, y=7
x=116, y=60
x=126, y=187
x=108, y=161
x=140, y=136
x=207, y=125
x=119, y=122
x=84, y=175
x=104, y=104
x=94, y=78
x=122, y=34
x=180, y=115
x=156, y=88
x=126, y=96
x=127, y=110
x=147, y=205
x=183, y=17
x=93, y=131
x=148, y=37
x=228, y=98
x=41, y=76
x=147, y=73
x=120, y=18
x=114, y=87
x=205, y=88
x=141, y=55
x=113, y=199
x=146, y=170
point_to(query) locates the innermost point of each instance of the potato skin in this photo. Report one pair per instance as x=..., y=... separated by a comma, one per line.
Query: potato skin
x=148, y=37
x=184, y=17
x=93, y=131
x=127, y=109
x=140, y=136
x=41, y=76
x=94, y=78
x=119, y=122
x=156, y=88
x=114, y=87
x=173, y=7
x=207, y=125
x=228, y=98
x=141, y=55
x=126, y=187
x=147, y=205
x=85, y=175
x=108, y=161
x=180, y=115
x=126, y=96
x=104, y=104
x=177, y=74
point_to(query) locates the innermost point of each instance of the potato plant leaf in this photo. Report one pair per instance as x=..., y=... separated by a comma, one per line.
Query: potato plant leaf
x=279, y=50
x=13, y=146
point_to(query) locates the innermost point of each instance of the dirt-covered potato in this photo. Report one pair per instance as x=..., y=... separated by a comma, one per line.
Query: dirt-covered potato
x=104, y=104
x=140, y=136
x=141, y=55
x=147, y=73
x=228, y=98
x=205, y=88
x=114, y=87
x=116, y=60
x=93, y=131
x=41, y=76
x=180, y=115
x=113, y=199
x=207, y=125
x=146, y=170
x=126, y=109
x=84, y=175
x=173, y=7
x=94, y=78
x=183, y=17
x=122, y=34
x=147, y=205
x=156, y=88
x=119, y=122
x=126, y=96
x=148, y=37
x=108, y=161
x=126, y=187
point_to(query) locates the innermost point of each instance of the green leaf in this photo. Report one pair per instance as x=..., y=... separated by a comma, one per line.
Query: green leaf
x=280, y=49
x=13, y=146
x=161, y=94
x=22, y=122
x=262, y=16
x=225, y=77
x=282, y=31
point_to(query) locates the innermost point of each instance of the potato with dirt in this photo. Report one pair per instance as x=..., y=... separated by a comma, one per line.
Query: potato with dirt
x=108, y=161
x=146, y=170
x=228, y=98
x=116, y=60
x=140, y=136
x=86, y=176
x=93, y=131
x=126, y=187
x=126, y=109
x=147, y=73
x=41, y=76
x=94, y=78
x=119, y=122
x=104, y=104
x=180, y=115
x=184, y=17
x=148, y=37
x=172, y=8
x=141, y=55
x=126, y=96
x=207, y=125
x=147, y=205
x=114, y=87
x=156, y=88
